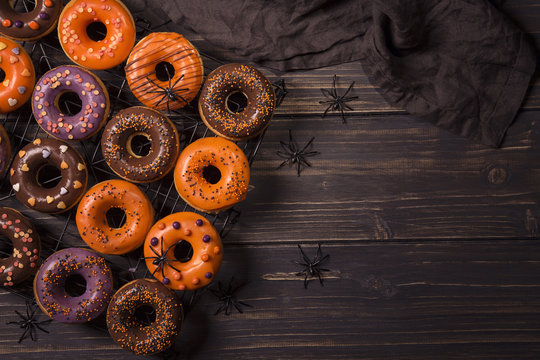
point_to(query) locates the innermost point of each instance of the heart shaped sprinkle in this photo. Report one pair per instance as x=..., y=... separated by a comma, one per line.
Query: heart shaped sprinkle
x=64, y=165
x=63, y=191
x=46, y=153
x=25, y=167
x=12, y=102
x=16, y=187
x=50, y=199
x=63, y=148
x=16, y=50
x=21, y=89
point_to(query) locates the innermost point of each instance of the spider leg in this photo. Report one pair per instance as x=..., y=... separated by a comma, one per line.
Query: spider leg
x=327, y=110
x=298, y=170
x=243, y=303
x=320, y=278
x=306, y=281
x=304, y=256
x=282, y=164
x=156, y=269
x=169, y=248
x=342, y=115
x=154, y=251
x=23, y=336
x=169, y=265
x=237, y=307
x=349, y=89
x=154, y=83
x=308, y=144
x=328, y=94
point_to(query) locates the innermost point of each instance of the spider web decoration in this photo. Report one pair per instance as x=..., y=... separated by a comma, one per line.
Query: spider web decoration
x=312, y=268
x=227, y=297
x=29, y=322
x=293, y=155
x=337, y=102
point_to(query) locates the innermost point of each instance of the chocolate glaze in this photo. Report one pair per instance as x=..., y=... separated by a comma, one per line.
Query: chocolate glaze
x=50, y=281
x=5, y=150
x=52, y=152
x=91, y=91
x=226, y=80
x=160, y=131
x=31, y=25
x=26, y=247
x=129, y=333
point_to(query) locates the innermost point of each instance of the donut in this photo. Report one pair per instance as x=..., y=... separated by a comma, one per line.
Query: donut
x=227, y=80
x=212, y=193
x=116, y=144
x=34, y=157
x=19, y=79
x=92, y=222
x=187, y=77
x=169, y=232
x=90, y=90
x=130, y=333
x=26, y=247
x=5, y=150
x=32, y=25
x=80, y=48
x=50, y=285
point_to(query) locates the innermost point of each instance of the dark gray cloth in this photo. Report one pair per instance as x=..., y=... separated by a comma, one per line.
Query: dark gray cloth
x=460, y=64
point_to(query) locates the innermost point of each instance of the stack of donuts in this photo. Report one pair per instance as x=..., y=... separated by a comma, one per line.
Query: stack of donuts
x=211, y=174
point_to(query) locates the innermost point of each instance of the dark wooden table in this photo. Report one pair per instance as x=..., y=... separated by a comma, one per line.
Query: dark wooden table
x=433, y=241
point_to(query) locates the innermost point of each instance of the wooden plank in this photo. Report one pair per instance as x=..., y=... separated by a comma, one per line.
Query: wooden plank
x=304, y=86
x=379, y=301
x=392, y=177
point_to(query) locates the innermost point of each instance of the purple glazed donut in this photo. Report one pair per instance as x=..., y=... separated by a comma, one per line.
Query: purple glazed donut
x=90, y=90
x=50, y=285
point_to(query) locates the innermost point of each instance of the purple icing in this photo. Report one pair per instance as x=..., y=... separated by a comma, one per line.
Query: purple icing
x=208, y=275
x=154, y=241
x=199, y=222
x=43, y=15
x=176, y=225
x=18, y=23
x=206, y=238
x=94, y=105
x=50, y=285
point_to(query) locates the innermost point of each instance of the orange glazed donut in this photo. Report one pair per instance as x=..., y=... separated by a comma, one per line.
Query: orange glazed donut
x=103, y=54
x=185, y=81
x=212, y=174
x=189, y=273
x=16, y=87
x=92, y=222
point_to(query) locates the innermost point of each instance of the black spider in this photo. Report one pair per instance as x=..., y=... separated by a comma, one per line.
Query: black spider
x=29, y=322
x=160, y=260
x=337, y=102
x=281, y=91
x=168, y=93
x=293, y=155
x=228, y=298
x=312, y=268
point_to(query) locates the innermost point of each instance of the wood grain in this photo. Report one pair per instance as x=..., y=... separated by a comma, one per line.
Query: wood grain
x=392, y=300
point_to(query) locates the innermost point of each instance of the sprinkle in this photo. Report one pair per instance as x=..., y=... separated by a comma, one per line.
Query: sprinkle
x=206, y=238
x=77, y=184
x=21, y=89
x=208, y=275
x=6, y=23
x=50, y=199
x=32, y=201
x=63, y=191
x=46, y=153
x=16, y=50
x=61, y=205
x=13, y=59
x=64, y=165
x=2, y=45
x=25, y=167
x=26, y=73
x=16, y=187
x=199, y=222
x=176, y=225
x=22, y=153
x=63, y=148
x=81, y=167
x=154, y=241
x=12, y=102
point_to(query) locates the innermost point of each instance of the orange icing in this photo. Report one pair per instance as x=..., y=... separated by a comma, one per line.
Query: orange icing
x=17, y=86
x=103, y=54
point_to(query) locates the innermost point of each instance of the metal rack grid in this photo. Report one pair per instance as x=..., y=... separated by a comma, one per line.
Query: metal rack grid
x=22, y=128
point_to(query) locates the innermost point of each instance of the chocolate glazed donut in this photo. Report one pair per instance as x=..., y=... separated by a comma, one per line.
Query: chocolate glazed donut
x=26, y=247
x=31, y=25
x=34, y=157
x=129, y=332
x=227, y=80
x=117, y=148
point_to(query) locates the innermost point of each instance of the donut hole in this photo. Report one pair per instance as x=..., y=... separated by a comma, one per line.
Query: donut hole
x=145, y=314
x=211, y=174
x=23, y=6
x=236, y=102
x=96, y=31
x=139, y=145
x=164, y=71
x=183, y=251
x=2, y=75
x=69, y=103
x=75, y=285
x=6, y=247
x=48, y=176
x=116, y=217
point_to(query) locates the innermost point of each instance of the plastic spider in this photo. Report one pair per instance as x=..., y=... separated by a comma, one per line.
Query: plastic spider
x=293, y=155
x=337, y=102
x=228, y=298
x=160, y=260
x=29, y=322
x=312, y=268
x=168, y=93
x=281, y=91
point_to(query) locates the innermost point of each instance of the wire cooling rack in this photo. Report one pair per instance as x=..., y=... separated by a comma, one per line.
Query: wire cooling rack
x=59, y=231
